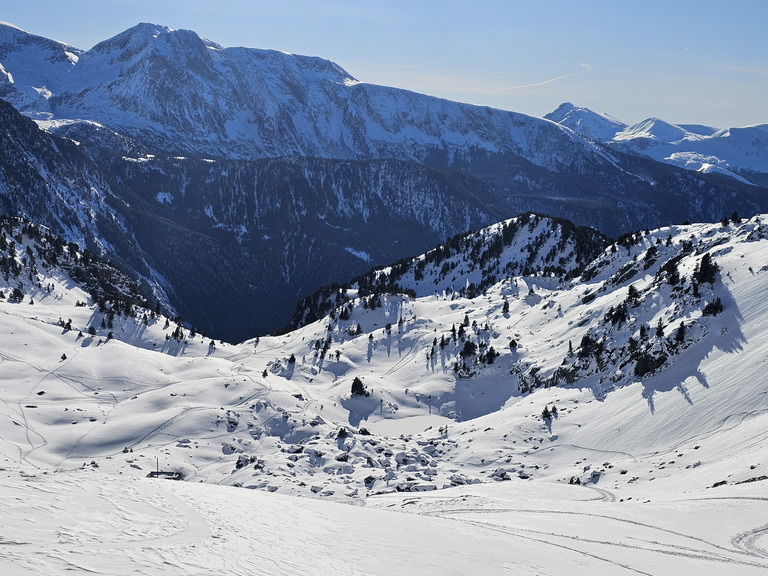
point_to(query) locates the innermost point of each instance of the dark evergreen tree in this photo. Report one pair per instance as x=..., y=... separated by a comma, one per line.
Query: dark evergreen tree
x=358, y=389
x=706, y=270
x=633, y=295
x=680, y=334
x=470, y=349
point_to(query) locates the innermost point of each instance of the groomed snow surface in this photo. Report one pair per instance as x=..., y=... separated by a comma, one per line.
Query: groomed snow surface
x=455, y=476
x=85, y=521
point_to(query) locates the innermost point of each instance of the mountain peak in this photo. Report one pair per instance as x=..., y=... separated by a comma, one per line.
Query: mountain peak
x=14, y=39
x=654, y=129
x=561, y=112
x=25, y=85
x=147, y=36
x=586, y=122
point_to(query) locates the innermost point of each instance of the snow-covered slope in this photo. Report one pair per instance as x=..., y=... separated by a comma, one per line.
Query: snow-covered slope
x=32, y=68
x=468, y=264
x=632, y=451
x=736, y=152
x=725, y=151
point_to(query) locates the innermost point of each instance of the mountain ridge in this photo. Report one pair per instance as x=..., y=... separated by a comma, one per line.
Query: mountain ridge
x=141, y=73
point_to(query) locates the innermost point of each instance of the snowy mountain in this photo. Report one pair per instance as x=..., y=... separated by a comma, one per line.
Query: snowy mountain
x=183, y=94
x=265, y=176
x=591, y=124
x=616, y=400
x=740, y=153
x=468, y=264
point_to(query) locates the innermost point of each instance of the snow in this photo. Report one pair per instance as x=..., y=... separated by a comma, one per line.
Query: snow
x=364, y=256
x=654, y=129
x=453, y=475
x=582, y=120
x=86, y=521
x=730, y=152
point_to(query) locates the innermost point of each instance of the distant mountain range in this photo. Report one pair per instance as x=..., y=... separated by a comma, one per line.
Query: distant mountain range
x=741, y=153
x=230, y=182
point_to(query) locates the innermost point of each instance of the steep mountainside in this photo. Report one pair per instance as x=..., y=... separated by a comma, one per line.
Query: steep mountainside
x=49, y=179
x=52, y=181
x=36, y=66
x=183, y=94
x=243, y=241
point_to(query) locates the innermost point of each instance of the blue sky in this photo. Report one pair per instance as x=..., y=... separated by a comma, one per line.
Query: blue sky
x=684, y=61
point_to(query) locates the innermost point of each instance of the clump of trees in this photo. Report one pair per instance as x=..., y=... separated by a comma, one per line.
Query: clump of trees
x=706, y=270
x=548, y=414
x=713, y=308
x=358, y=388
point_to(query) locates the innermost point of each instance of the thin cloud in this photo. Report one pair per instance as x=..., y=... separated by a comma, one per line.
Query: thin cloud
x=585, y=68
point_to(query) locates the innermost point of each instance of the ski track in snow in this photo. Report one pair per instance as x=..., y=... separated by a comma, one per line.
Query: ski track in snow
x=88, y=522
x=653, y=541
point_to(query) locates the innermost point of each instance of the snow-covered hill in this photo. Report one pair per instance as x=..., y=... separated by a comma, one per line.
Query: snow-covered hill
x=740, y=153
x=651, y=429
x=731, y=152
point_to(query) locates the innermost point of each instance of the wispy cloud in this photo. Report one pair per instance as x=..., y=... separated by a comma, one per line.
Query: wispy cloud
x=585, y=68
x=457, y=80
